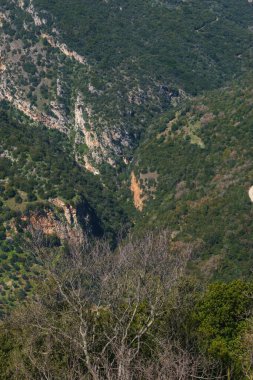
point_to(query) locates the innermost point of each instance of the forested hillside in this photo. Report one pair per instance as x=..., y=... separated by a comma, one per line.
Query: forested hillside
x=126, y=189
x=194, y=170
x=41, y=183
x=99, y=71
x=196, y=44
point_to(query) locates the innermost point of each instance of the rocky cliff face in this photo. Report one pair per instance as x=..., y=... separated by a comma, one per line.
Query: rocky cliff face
x=55, y=85
x=106, y=110
x=64, y=220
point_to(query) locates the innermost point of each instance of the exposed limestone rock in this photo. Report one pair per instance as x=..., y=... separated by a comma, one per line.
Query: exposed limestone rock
x=38, y=21
x=21, y=4
x=59, y=112
x=64, y=220
x=64, y=49
x=33, y=78
x=3, y=17
x=93, y=90
x=86, y=134
x=12, y=71
x=2, y=67
x=50, y=225
x=69, y=211
x=251, y=193
x=86, y=127
x=90, y=167
x=79, y=118
x=59, y=90
x=33, y=113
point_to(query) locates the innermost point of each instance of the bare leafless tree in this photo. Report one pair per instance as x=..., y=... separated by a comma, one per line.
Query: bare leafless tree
x=95, y=312
x=247, y=344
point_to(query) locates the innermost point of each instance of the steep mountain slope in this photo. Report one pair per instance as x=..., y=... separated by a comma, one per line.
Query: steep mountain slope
x=47, y=169
x=43, y=188
x=126, y=189
x=196, y=44
x=100, y=71
x=94, y=93
x=194, y=172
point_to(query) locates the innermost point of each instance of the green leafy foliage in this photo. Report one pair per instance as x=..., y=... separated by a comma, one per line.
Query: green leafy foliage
x=202, y=158
x=221, y=316
x=36, y=165
x=195, y=44
x=47, y=168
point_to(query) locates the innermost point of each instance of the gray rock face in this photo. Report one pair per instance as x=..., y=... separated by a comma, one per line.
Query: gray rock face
x=55, y=85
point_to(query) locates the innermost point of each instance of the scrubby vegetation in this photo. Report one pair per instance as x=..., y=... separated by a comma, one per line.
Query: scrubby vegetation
x=204, y=171
x=155, y=90
x=37, y=165
x=194, y=44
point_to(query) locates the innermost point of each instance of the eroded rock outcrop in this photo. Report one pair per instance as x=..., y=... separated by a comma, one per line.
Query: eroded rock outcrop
x=38, y=21
x=50, y=224
x=32, y=112
x=137, y=193
x=64, y=49
x=63, y=219
x=102, y=118
x=143, y=189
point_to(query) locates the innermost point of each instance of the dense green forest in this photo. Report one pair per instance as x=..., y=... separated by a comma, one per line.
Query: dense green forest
x=203, y=172
x=196, y=44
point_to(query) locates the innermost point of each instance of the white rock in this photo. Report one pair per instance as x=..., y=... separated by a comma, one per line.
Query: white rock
x=251, y=193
